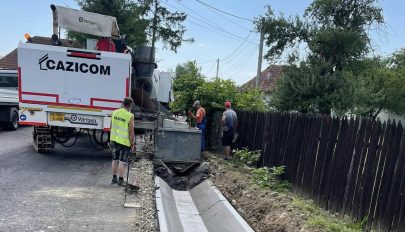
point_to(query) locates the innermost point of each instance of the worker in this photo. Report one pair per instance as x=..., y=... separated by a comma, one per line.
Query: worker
x=122, y=139
x=120, y=44
x=201, y=121
x=55, y=40
x=229, y=126
x=28, y=38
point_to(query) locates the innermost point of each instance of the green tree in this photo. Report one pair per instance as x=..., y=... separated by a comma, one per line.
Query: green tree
x=250, y=100
x=166, y=26
x=190, y=85
x=129, y=17
x=336, y=34
x=396, y=93
x=187, y=79
x=303, y=89
x=396, y=85
x=378, y=84
x=368, y=82
x=213, y=94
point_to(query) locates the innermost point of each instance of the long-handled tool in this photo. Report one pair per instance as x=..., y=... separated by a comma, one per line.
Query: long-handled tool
x=129, y=187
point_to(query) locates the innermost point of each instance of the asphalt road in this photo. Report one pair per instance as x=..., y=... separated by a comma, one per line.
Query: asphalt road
x=67, y=190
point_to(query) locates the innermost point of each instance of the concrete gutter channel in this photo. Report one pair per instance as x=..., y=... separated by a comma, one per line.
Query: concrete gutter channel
x=202, y=209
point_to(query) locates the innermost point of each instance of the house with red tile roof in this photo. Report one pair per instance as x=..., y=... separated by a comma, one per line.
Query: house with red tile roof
x=9, y=61
x=268, y=80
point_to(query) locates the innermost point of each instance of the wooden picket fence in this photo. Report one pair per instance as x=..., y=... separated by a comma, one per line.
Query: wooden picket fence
x=352, y=166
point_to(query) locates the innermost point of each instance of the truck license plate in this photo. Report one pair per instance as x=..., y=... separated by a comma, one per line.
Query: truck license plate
x=57, y=117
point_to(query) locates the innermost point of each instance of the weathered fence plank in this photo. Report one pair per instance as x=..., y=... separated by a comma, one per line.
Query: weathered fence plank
x=352, y=166
x=390, y=183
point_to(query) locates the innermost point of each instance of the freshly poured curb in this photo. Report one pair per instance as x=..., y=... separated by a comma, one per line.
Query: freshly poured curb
x=203, y=208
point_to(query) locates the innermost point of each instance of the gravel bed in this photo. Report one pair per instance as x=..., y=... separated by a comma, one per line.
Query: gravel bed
x=145, y=215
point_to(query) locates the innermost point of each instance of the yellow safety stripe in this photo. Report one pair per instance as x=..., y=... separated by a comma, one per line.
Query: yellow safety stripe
x=119, y=127
x=119, y=135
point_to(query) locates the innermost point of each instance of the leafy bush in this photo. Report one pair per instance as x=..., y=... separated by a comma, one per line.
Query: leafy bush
x=190, y=84
x=250, y=158
x=251, y=100
x=270, y=177
x=261, y=177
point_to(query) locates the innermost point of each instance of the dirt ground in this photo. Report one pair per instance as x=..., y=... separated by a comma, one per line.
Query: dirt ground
x=263, y=209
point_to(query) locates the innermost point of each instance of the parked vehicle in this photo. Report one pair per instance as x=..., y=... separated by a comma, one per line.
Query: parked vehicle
x=8, y=99
x=63, y=89
x=66, y=91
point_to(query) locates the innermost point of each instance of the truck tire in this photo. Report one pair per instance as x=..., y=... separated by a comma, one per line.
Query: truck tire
x=12, y=125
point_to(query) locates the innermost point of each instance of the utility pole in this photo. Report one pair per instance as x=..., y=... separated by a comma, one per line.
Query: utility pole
x=217, y=67
x=260, y=58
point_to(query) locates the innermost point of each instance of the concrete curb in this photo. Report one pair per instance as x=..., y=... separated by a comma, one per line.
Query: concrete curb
x=203, y=208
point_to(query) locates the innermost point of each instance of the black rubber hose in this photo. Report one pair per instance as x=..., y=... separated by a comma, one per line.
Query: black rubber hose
x=91, y=140
x=74, y=142
x=102, y=136
x=95, y=138
x=101, y=141
x=57, y=138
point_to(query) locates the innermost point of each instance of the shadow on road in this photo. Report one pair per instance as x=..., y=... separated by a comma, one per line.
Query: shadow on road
x=83, y=150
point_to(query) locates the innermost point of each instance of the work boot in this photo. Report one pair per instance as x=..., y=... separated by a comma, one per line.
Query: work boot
x=114, y=180
x=122, y=183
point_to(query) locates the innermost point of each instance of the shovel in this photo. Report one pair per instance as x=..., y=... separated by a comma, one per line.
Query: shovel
x=130, y=188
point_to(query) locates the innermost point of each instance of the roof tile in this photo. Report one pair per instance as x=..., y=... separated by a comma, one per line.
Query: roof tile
x=9, y=61
x=269, y=78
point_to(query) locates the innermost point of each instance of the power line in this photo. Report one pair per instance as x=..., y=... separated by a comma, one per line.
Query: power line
x=229, y=20
x=251, y=20
x=207, y=61
x=230, y=57
x=211, y=68
x=242, y=61
x=229, y=61
x=215, y=27
x=241, y=67
x=209, y=24
x=244, y=41
x=211, y=28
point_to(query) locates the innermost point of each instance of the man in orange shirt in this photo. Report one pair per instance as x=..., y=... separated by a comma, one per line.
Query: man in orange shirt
x=201, y=121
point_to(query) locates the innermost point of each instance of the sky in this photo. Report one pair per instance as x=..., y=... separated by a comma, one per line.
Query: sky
x=216, y=35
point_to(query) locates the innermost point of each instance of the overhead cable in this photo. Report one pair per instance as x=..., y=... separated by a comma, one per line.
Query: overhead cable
x=207, y=23
x=239, y=17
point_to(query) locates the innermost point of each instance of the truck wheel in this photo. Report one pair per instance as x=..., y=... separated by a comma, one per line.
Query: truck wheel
x=12, y=125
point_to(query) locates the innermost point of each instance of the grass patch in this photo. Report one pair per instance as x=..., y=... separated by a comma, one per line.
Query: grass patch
x=320, y=219
x=307, y=206
x=333, y=225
